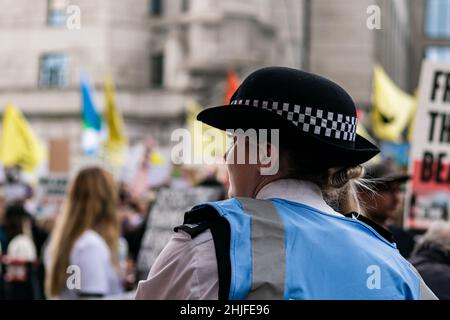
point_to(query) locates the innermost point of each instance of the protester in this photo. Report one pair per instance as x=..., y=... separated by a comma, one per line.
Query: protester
x=15, y=201
x=383, y=202
x=133, y=213
x=431, y=257
x=21, y=280
x=18, y=227
x=86, y=236
x=283, y=234
x=30, y=237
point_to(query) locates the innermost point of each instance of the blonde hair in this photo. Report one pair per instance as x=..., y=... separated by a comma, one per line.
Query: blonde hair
x=92, y=202
x=340, y=191
x=338, y=184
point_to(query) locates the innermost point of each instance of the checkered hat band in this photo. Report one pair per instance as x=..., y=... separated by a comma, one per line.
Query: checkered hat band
x=310, y=120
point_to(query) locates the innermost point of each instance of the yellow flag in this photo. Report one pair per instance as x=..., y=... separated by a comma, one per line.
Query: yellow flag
x=392, y=108
x=113, y=118
x=116, y=140
x=207, y=142
x=19, y=145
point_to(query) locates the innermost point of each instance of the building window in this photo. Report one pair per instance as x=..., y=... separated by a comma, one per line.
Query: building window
x=56, y=13
x=184, y=5
x=156, y=7
x=437, y=19
x=438, y=54
x=157, y=73
x=53, y=70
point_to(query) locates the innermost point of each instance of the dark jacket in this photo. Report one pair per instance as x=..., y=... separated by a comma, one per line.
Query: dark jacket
x=404, y=240
x=433, y=265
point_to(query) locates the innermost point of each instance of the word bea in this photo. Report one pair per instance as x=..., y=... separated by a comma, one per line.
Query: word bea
x=435, y=168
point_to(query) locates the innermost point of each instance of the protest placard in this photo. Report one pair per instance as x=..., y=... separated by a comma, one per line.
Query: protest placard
x=165, y=215
x=428, y=196
x=51, y=194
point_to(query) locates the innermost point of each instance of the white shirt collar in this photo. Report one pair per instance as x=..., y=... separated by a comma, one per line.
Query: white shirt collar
x=300, y=191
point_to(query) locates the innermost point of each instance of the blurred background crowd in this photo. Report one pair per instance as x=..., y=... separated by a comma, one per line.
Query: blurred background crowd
x=91, y=92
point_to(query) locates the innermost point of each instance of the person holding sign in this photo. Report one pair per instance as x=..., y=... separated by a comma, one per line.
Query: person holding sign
x=292, y=228
x=383, y=202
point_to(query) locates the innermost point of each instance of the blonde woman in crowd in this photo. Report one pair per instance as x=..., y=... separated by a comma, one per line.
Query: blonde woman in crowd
x=82, y=259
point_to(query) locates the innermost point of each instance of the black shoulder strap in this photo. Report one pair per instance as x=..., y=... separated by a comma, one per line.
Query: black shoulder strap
x=386, y=234
x=197, y=221
x=193, y=229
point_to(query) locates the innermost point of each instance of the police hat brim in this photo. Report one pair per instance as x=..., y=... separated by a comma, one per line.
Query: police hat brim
x=320, y=152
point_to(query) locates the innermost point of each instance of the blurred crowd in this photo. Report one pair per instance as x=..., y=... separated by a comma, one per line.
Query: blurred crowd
x=98, y=227
x=101, y=224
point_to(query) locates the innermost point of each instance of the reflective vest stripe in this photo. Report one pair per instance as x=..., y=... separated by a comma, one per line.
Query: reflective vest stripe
x=268, y=249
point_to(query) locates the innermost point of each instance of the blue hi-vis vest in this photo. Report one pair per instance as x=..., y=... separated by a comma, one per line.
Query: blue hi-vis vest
x=281, y=249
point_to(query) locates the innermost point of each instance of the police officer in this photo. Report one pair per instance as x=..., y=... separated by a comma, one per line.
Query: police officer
x=292, y=228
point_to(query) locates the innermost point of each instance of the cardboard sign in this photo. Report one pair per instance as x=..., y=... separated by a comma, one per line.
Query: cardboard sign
x=51, y=195
x=54, y=186
x=428, y=197
x=165, y=215
x=59, y=156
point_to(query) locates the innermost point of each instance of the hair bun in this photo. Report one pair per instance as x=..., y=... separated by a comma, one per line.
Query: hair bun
x=340, y=177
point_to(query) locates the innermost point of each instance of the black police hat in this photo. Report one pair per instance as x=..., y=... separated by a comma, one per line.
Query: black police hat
x=318, y=116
